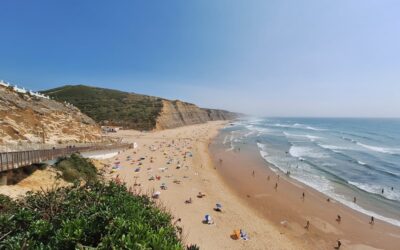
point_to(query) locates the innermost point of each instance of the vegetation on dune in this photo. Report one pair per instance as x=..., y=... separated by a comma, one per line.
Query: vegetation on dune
x=75, y=167
x=111, y=107
x=94, y=215
x=82, y=216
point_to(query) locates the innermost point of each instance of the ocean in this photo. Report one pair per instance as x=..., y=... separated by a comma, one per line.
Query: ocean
x=342, y=158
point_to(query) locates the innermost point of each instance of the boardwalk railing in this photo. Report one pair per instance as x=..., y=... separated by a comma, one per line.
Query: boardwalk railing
x=12, y=160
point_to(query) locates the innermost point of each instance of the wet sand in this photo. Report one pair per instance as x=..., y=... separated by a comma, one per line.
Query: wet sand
x=289, y=212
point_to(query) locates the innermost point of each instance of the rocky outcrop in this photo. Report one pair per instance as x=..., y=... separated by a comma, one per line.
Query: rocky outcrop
x=29, y=119
x=176, y=114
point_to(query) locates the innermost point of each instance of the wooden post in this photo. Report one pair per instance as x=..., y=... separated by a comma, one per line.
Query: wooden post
x=1, y=162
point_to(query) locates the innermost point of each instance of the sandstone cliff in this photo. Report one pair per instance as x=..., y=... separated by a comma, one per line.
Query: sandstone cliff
x=132, y=110
x=176, y=113
x=30, y=119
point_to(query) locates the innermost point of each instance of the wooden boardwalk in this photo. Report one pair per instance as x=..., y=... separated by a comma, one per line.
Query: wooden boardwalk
x=13, y=160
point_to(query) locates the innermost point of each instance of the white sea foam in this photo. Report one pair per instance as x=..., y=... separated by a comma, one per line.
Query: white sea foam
x=310, y=137
x=333, y=147
x=300, y=151
x=316, y=129
x=361, y=163
x=297, y=125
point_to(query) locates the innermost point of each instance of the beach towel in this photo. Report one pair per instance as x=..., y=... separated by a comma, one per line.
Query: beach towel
x=243, y=235
x=208, y=219
x=236, y=234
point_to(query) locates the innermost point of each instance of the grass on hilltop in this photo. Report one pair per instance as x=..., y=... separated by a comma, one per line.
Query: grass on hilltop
x=111, y=107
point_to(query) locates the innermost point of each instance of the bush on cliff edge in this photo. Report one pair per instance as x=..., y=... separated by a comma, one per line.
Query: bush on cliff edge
x=100, y=215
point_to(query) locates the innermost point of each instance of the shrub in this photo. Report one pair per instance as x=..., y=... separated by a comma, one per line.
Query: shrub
x=6, y=204
x=76, y=168
x=104, y=216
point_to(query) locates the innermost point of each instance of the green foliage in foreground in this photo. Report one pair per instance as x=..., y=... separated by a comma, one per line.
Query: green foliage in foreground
x=76, y=168
x=104, y=216
x=111, y=107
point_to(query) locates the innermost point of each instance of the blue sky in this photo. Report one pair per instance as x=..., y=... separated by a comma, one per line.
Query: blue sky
x=275, y=58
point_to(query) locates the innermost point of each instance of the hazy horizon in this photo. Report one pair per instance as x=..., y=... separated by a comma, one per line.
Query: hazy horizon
x=264, y=58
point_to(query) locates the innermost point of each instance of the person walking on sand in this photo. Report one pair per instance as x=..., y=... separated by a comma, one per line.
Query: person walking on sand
x=307, y=225
x=339, y=244
x=303, y=196
x=372, y=221
x=339, y=218
x=254, y=173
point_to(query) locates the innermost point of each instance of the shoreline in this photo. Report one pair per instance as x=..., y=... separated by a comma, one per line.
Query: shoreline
x=353, y=230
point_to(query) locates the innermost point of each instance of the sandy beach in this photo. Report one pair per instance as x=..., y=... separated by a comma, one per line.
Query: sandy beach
x=185, y=177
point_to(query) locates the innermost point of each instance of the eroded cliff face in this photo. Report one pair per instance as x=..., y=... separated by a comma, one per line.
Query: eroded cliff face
x=176, y=114
x=34, y=120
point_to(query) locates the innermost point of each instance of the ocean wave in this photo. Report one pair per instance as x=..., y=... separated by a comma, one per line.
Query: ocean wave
x=373, y=169
x=259, y=129
x=362, y=163
x=348, y=139
x=332, y=147
x=299, y=151
x=316, y=129
x=296, y=125
x=310, y=137
x=379, y=149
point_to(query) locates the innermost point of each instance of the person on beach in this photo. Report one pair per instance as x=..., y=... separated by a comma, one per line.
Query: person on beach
x=383, y=190
x=268, y=177
x=355, y=199
x=307, y=225
x=372, y=221
x=339, y=218
x=328, y=200
x=254, y=173
x=276, y=186
x=303, y=196
x=339, y=244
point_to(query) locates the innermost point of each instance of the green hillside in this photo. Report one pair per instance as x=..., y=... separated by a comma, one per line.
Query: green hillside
x=111, y=107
